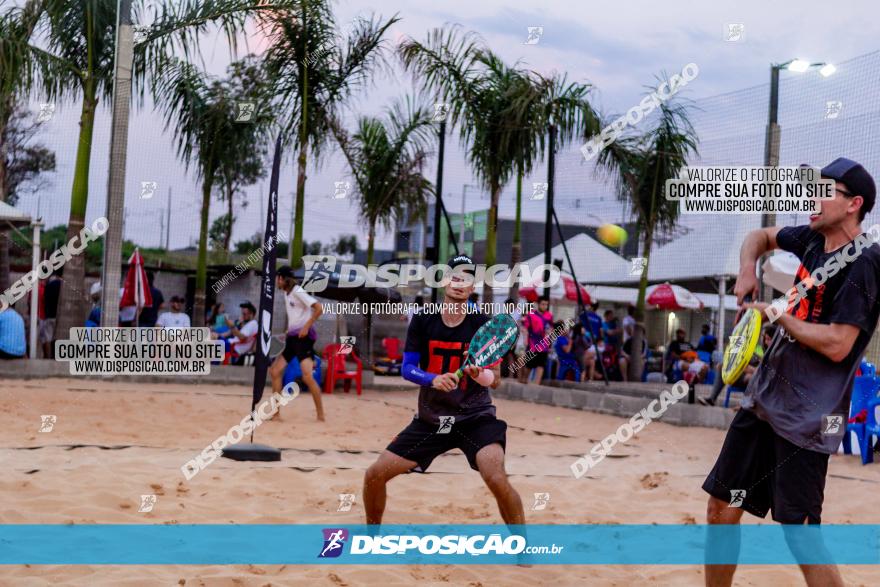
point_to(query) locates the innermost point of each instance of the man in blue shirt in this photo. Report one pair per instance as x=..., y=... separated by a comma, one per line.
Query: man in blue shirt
x=12, y=341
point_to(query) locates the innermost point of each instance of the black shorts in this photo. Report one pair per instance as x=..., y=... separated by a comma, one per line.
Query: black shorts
x=421, y=443
x=538, y=360
x=775, y=474
x=301, y=348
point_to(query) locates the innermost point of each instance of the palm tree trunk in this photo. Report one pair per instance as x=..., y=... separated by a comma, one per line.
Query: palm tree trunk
x=371, y=238
x=200, y=304
x=228, y=237
x=516, y=247
x=491, y=237
x=296, y=246
x=73, y=299
x=637, y=365
x=4, y=195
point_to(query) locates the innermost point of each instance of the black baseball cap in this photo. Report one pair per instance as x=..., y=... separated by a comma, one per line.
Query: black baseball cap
x=856, y=179
x=284, y=271
x=462, y=260
x=248, y=306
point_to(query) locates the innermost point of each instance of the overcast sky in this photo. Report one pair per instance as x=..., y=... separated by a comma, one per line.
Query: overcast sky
x=618, y=51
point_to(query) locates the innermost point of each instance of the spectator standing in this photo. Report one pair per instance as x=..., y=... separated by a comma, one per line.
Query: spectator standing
x=50, y=312
x=94, y=318
x=150, y=314
x=611, y=330
x=707, y=342
x=565, y=355
x=537, y=324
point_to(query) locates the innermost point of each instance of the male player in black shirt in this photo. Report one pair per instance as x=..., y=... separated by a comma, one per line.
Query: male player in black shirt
x=451, y=413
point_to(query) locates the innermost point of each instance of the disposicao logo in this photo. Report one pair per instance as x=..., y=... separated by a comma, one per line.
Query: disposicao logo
x=334, y=541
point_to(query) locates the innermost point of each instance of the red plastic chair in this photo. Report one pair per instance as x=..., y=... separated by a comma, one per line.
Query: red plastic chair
x=336, y=369
x=392, y=348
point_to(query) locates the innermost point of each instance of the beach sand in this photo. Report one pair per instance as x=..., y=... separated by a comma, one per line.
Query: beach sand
x=155, y=428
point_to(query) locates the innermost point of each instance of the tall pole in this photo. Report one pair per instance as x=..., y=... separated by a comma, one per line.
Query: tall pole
x=168, y=223
x=35, y=291
x=461, y=220
x=771, y=159
x=548, y=223
x=438, y=202
x=112, y=272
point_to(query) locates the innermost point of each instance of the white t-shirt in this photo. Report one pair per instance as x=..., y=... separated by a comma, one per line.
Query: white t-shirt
x=127, y=313
x=298, y=303
x=249, y=330
x=172, y=320
x=628, y=322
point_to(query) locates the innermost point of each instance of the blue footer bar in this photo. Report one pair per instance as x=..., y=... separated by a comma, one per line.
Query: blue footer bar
x=210, y=544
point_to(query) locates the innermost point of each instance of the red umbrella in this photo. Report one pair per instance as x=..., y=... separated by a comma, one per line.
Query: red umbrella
x=136, y=291
x=564, y=289
x=672, y=297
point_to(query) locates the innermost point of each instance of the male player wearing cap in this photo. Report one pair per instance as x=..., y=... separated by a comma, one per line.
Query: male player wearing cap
x=302, y=312
x=451, y=413
x=776, y=452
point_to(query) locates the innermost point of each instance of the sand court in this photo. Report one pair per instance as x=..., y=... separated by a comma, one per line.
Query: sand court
x=112, y=442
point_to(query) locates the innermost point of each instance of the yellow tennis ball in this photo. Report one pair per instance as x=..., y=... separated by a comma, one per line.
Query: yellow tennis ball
x=611, y=235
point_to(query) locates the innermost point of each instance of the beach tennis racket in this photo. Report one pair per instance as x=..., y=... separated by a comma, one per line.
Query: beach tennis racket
x=741, y=344
x=490, y=343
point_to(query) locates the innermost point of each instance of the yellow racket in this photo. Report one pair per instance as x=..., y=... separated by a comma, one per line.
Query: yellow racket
x=741, y=344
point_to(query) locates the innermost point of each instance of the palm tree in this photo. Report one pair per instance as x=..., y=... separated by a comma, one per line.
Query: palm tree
x=82, y=33
x=503, y=111
x=23, y=67
x=386, y=159
x=202, y=114
x=315, y=70
x=641, y=164
x=536, y=102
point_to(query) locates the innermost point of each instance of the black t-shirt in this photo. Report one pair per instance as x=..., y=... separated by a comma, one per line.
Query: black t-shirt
x=50, y=298
x=795, y=387
x=679, y=347
x=441, y=350
x=150, y=315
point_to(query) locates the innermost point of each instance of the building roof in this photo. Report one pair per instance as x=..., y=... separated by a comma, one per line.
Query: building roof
x=13, y=215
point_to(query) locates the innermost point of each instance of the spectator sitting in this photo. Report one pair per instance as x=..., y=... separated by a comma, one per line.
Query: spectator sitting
x=175, y=318
x=241, y=339
x=12, y=339
x=51, y=295
x=579, y=346
x=611, y=330
x=94, y=318
x=567, y=360
x=674, y=353
x=217, y=319
x=692, y=368
x=629, y=324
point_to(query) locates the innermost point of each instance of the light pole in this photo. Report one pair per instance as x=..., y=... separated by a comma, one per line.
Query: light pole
x=772, y=138
x=464, y=189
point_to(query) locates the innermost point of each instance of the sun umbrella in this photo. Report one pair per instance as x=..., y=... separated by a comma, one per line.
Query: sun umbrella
x=136, y=290
x=672, y=297
x=565, y=289
x=780, y=269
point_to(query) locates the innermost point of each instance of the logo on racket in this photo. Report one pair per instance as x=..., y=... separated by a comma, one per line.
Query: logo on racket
x=737, y=497
x=446, y=423
x=736, y=343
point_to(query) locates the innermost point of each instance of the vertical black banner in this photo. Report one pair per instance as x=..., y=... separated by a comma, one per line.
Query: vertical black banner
x=267, y=289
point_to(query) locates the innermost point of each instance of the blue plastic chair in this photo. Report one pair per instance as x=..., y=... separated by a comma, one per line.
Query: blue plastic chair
x=293, y=371
x=872, y=428
x=864, y=390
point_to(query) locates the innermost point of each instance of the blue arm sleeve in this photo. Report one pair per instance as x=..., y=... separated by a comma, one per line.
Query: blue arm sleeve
x=411, y=371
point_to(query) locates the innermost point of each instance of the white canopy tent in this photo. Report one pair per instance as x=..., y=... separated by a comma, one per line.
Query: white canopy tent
x=13, y=218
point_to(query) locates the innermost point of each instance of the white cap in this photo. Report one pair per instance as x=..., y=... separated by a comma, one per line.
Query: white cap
x=96, y=288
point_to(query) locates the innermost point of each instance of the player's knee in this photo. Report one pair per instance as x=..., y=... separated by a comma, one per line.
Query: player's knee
x=375, y=474
x=716, y=511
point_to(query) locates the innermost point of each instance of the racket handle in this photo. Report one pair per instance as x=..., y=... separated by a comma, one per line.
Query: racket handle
x=459, y=373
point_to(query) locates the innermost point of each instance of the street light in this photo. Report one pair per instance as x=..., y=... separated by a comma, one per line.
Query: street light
x=771, y=144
